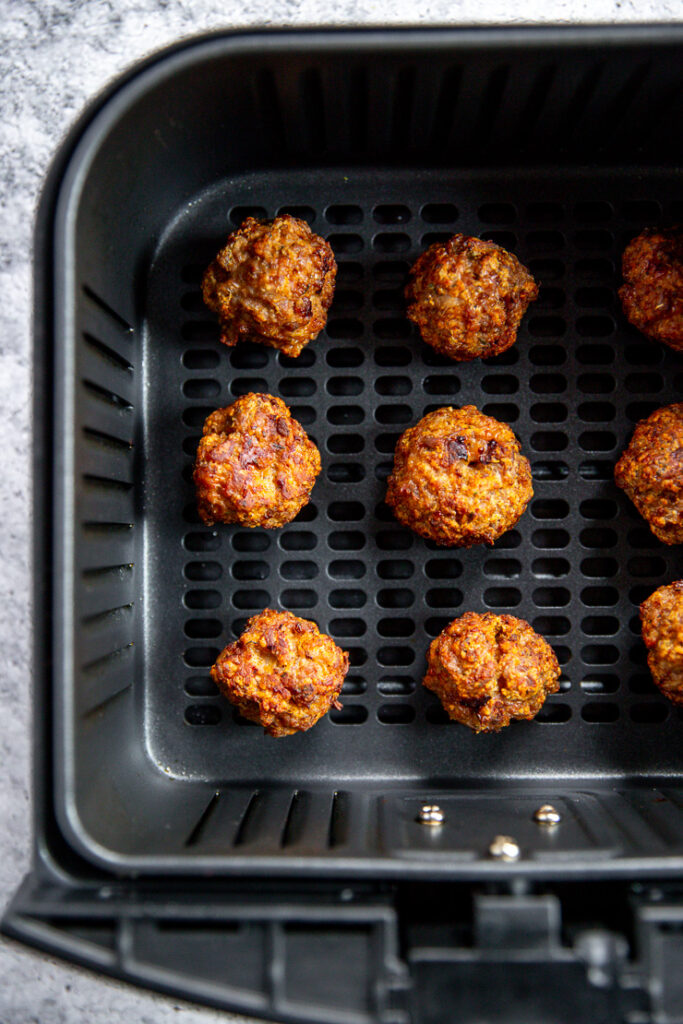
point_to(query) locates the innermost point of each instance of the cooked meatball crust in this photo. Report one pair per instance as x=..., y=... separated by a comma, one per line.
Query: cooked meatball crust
x=459, y=478
x=282, y=672
x=652, y=293
x=272, y=283
x=662, y=619
x=468, y=297
x=255, y=464
x=488, y=669
x=651, y=472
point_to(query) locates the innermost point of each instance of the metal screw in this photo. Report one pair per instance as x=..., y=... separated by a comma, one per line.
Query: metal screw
x=504, y=848
x=431, y=814
x=547, y=815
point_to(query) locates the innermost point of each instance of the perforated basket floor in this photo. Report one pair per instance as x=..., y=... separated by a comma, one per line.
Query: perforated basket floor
x=576, y=566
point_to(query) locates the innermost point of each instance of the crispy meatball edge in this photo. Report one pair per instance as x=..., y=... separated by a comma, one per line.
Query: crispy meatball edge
x=444, y=534
x=437, y=328
x=469, y=710
x=216, y=432
x=652, y=609
x=651, y=295
x=272, y=630
x=240, y=318
x=638, y=472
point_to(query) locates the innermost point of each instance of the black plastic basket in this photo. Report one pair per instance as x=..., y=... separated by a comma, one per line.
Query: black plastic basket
x=178, y=846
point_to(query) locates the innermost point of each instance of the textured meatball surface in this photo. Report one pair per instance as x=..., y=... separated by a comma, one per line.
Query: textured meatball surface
x=468, y=297
x=652, y=292
x=488, y=669
x=651, y=472
x=459, y=478
x=662, y=618
x=255, y=464
x=282, y=672
x=272, y=283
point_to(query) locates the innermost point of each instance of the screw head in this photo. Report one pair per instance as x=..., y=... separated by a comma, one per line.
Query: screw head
x=431, y=814
x=504, y=848
x=547, y=815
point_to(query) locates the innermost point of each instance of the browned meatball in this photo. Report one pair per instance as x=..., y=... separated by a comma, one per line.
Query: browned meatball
x=468, y=296
x=282, y=672
x=272, y=283
x=662, y=618
x=488, y=669
x=652, y=293
x=255, y=464
x=651, y=472
x=459, y=478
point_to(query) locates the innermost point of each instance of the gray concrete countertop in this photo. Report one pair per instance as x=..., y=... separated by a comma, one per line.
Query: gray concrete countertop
x=54, y=55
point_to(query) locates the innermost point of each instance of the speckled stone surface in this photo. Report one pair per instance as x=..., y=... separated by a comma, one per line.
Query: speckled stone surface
x=54, y=54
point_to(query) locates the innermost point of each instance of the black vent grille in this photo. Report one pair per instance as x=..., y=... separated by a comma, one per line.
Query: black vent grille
x=106, y=502
x=576, y=566
x=598, y=104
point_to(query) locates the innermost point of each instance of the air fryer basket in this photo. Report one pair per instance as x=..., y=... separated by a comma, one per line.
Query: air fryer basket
x=558, y=144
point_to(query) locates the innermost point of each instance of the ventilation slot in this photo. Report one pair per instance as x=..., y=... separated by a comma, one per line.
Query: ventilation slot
x=270, y=110
x=535, y=102
x=620, y=109
x=582, y=98
x=108, y=310
x=491, y=105
x=444, y=111
x=404, y=98
x=108, y=353
x=197, y=832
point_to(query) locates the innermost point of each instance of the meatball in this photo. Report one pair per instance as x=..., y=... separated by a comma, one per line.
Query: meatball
x=272, y=283
x=255, y=464
x=651, y=472
x=459, y=478
x=468, y=297
x=488, y=669
x=662, y=618
x=282, y=672
x=652, y=293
